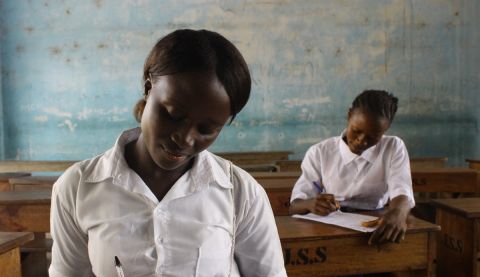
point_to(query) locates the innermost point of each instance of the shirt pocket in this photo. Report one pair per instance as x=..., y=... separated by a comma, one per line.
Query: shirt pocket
x=215, y=254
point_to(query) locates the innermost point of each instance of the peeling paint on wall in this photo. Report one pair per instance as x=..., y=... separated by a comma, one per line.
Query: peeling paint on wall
x=71, y=71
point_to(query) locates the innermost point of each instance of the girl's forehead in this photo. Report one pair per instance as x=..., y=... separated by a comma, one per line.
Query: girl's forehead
x=196, y=93
x=367, y=118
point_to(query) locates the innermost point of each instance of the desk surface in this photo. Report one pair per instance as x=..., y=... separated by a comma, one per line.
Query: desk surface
x=33, y=180
x=290, y=228
x=33, y=166
x=254, y=153
x=4, y=177
x=10, y=240
x=467, y=207
x=25, y=197
x=473, y=160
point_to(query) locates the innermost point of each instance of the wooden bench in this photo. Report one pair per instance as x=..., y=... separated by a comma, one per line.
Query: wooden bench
x=317, y=249
x=244, y=158
x=459, y=240
x=473, y=163
x=10, y=254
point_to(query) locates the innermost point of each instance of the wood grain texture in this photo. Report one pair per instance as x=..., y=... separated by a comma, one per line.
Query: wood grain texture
x=458, y=243
x=317, y=249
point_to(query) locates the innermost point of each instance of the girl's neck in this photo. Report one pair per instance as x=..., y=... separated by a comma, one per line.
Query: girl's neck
x=156, y=178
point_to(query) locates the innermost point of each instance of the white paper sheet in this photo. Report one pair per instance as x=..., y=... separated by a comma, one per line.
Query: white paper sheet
x=347, y=220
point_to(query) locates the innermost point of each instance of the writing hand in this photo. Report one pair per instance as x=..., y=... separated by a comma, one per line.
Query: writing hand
x=323, y=204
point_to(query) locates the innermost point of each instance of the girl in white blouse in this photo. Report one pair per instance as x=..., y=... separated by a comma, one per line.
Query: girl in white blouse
x=158, y=200
x=362, y=169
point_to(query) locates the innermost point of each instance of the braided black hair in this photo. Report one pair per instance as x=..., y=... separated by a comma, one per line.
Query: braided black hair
x=377, y=102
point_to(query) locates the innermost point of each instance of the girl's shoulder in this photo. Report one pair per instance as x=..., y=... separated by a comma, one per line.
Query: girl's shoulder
x=391, y=141
x=244, y=185
x=75, y=176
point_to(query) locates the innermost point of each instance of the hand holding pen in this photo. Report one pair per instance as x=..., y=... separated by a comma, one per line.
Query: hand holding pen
x=324, y=203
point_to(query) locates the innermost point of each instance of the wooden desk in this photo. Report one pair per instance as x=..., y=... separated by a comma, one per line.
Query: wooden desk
x=458, y=243
x=289, y=165
x=267, y=157
x=32, y=183
x=278, y=186
x=4, y=177
x=10, y=253
x=259, y=167
x=34, y=166
x=473, y=163
x=317, y=249
x=25, y=211
x=455, y=180
x=428, y=162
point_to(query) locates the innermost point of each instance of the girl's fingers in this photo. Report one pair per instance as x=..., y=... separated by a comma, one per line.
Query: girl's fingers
x=398, y=236
x=376, y=234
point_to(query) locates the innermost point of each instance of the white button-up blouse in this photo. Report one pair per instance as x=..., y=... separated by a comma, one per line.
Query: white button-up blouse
x=365, y=181
x=206, y=225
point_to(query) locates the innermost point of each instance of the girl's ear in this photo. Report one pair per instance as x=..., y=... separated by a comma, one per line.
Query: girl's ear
x=349, y=114
x=147, y=86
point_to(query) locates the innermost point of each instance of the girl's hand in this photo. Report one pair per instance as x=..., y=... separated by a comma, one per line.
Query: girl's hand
x=393, y=224
x=392, y=227
x=322, y=204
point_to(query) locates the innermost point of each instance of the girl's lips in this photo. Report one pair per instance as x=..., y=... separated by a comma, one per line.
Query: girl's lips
x=174, y=156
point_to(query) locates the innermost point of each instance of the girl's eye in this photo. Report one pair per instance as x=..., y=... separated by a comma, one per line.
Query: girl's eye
x=207, y=130
x=170, y=116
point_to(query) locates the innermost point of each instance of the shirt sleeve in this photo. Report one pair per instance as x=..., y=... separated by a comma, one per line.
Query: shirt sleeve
x=399, y=178
x=70, y=243
x=311, y=168
x=258, y=251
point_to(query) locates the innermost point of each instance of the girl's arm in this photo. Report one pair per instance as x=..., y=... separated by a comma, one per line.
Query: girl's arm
x=70, y=243
x=322, y=204
x=393, y=224
x=258, y=251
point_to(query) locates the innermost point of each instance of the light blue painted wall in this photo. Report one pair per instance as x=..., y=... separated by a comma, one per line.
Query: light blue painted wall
x=2, y=132
x=71, y=70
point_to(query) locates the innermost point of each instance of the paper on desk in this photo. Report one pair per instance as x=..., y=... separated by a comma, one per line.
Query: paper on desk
x=347, y=220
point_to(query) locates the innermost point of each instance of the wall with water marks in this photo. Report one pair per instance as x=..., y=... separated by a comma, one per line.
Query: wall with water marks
x=71, y=70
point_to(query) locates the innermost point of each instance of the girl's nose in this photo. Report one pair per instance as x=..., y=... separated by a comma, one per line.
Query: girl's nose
x=184, y=137
x=362, y=140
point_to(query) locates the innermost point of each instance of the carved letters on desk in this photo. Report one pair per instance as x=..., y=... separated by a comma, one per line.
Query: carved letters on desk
x=453, y=244
x=304, y=256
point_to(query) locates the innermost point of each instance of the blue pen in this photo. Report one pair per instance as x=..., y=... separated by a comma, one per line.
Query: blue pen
x=319, y=187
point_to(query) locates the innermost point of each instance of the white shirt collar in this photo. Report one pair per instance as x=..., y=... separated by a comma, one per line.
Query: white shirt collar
x=347, y=156
x=204, y=172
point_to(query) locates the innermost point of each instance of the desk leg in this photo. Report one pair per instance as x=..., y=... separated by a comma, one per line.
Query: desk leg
x=10, y=263
x=34, y=262
x=476, y=246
